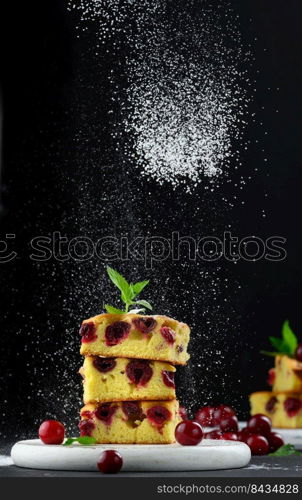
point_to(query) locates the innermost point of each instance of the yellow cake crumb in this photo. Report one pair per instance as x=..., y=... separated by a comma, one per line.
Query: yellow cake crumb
x=288, y=375
x=123, y=379
x=131, y=422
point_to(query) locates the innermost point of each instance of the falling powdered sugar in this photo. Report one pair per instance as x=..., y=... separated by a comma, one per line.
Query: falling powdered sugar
x=189, y=139
x=187, y=96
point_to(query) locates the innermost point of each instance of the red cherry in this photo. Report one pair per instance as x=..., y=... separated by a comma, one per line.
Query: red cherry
x=275, y=441
x=298, y=353
x=271, y=376
x=259, y=424
x=88, y=332
x=205, y=416
x=229, y=424
x=86, y=427
x=144, y=325
x=292, y=406
x=168, y=334
x=270, y=405
x=139, y=371
x=222, y=412
x=133, y=411
x=51, y=432
x=117, y=332
x=105, y=412
x=158, y=415
x=183, y=413
x=104, y=365
x=230, y=436
x=188, y=433
x=110, y=462
x=213, y=435
x=168, y=378
x=258, y=444
x=244, y=434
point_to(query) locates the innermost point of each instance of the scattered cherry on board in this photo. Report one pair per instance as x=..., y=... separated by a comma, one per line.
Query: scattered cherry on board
x=110, y=462
x=213, y=435
x=257, y=434
x=188, y=433
x=222, y=412
x=258, y=444
x=259, y=424
x=243, y=434
x=275, y=441
x=230, y=436
x=52, y=432
x=229, y=424
x=205, y=416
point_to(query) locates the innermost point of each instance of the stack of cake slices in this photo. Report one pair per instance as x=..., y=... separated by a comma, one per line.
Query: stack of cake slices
x=128, y=377
x=284, y=404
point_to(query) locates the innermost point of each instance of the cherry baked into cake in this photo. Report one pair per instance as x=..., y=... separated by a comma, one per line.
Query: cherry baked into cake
x=137, y=422
x=136, y=336
x=284, y=409
x=120, y=379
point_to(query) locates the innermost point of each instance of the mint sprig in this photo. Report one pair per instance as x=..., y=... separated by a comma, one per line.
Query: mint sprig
x=129, y=292
x=287, y=344
x=84, y=440
x=285, y=451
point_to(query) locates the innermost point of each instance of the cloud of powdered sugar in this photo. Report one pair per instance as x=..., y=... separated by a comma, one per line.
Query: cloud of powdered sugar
x=186, y=101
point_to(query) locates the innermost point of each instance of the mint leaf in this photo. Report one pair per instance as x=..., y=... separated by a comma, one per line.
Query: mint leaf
x=270, y=353
x=285, y=451
x=276, y=342
x=144, y=303
x=132, y=292
x=126, y=297
x=136, y=311
x=139, y=286
x=68, y=442
x=289, y=338
x=286, y=345
x=113, y=310
x=84, y=440
x=128, y=292
x=119, y=281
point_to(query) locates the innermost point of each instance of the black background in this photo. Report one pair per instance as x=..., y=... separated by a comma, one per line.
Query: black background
x=55, y=98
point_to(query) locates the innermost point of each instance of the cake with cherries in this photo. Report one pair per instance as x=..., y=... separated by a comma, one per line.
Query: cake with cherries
x=286, y=376
x=128, y=372
x=284, y=404
x=129, y=335
x=120, y=379
x=140, y=422
x=284, y=409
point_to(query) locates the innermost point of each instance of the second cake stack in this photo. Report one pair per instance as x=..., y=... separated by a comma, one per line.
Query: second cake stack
x=284, y=404
x=128, y=377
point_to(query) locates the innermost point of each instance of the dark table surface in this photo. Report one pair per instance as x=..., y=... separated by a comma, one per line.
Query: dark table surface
x=259, y=467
